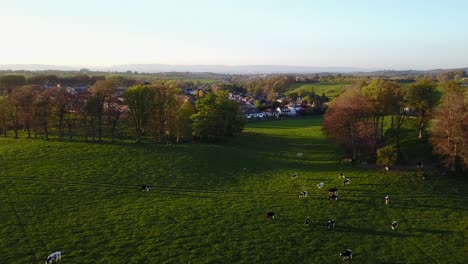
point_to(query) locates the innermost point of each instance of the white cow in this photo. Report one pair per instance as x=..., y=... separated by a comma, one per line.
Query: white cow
x=56, y=256
x=320, y=185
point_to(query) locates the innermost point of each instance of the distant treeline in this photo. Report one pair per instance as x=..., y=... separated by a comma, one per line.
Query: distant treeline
x=95, y=108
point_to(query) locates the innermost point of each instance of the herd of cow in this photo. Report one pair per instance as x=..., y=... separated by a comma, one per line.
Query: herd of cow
x=333, y=196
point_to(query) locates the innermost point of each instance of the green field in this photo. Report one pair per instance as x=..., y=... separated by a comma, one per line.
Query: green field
x=208, y=203
x=329, y=89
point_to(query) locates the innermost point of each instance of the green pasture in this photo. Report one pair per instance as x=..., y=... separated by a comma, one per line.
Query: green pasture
x=208, y=203
x=329, y=89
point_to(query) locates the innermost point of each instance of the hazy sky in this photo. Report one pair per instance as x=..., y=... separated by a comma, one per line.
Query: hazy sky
x=393, y=34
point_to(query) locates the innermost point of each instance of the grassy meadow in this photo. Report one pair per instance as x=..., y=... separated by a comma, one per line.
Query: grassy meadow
x=331, y=90
x=208, y=203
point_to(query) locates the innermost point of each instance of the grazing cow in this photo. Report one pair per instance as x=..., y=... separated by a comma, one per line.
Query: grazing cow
x=420, y=165
x=394, y=225
x=271, y=215
x=333, y=197
x=330, y=224
x=303, y=194
x=307, y=221
x=144, y=188
x=387, y=199
x=387, y=168
x=320, y=185
x=300, y=155
x=56, y=256
x=333, y=191
x=341, y=175
x=294, y=176
x=347, y=254
x=346, y=182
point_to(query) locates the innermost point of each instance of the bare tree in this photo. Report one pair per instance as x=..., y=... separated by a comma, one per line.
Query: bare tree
x=449, y=133
x=348, y=121
x=7, y=84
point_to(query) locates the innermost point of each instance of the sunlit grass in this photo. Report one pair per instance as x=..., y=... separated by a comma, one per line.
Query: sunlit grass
x=208, y=203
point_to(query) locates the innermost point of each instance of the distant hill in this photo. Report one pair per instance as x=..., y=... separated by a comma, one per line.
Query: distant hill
x=157, y=68
x=241, y=69
x=225, y=69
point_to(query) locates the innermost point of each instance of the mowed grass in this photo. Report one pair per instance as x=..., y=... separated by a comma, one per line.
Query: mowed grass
x=208, y=203
x=329, y=89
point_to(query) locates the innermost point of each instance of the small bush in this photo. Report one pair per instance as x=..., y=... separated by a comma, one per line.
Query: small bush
x=387, y=155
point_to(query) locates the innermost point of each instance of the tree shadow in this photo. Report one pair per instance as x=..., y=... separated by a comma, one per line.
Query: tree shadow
x=373, y=232
x=431, y=231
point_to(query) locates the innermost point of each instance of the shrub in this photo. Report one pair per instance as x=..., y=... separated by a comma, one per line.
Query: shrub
x=387, y=155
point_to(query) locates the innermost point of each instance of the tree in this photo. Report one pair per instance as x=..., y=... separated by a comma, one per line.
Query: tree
x=347, y=122
x=59, y=99
x=387, y=155
x=449, y=132
x=382, y=95
x=42, y=108
x=217, y=118
x=7, y=84
x=187, y=109
x=140, y=100
x=101, y=91
x=165, y=99
x=20, y=105
x=423, y=97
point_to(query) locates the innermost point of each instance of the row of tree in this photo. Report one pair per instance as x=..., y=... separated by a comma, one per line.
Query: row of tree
x=371, y=115
x=155, y=111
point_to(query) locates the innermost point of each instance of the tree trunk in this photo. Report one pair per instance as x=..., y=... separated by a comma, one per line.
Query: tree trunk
x=3, y=114
x=28, y=128
x=100, y=127
x=114, y=125
x=382, y=127
x=46, y=131
x=70, y=132
x=85, y=123
x=353, y=144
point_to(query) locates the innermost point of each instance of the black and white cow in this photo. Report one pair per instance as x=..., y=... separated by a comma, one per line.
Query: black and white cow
x=341, y=175
x=56, y=256
x=333, y=191
x=394, y=225
x=330, y=224
x=346, y=182
x=307, y=221
x=420, y=165
x=303, y=194
x=320, y=185
x=294, y=176
x=333, y=197
x=347, y=254
x=271, y=215
x=387, y=199
x=144, y=188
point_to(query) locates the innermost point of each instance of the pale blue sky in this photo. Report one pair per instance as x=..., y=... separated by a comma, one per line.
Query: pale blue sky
x=398, y=34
